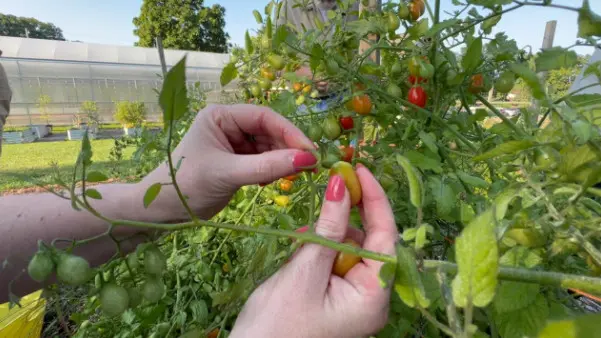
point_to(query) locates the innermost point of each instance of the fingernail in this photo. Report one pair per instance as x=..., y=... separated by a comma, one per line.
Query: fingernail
x=335, y=190
x=302, y=160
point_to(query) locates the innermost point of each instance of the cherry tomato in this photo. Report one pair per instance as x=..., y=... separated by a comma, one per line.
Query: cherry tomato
x=265, y=84
x=413, y=65
x=291, y=178
x=347, y=153
x=393, y=22
x=477, y=84
x=302, y=229
x=282, y=200
x=266, y=73
x=40, y=266
x=276, y=62
x=416, y=79
x=505, y=83
x=426, y=70
x=347, y=122
x=344, y=262
x=135, y=297
x=307, y=89
x=286, y=185
x=315, y=132
x=255, y=90
x=396, y=68
x=297, y=87
x=73, y=270
x=416, y=9
x=387, y=182
x=154, y=261
x=329, y=159
x=403, y=11
x=394, y=90
x=417, y=96
x=346, y=171
x=331, y=128
x=114, y=299
x=265, y=42
x=362, y=104
x=214, y=333
x=153, y=289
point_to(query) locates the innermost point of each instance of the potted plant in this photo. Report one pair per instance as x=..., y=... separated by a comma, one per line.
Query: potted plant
x=79, y=129
x=90, y=110
x=131, y=115
x=13, y=135
x=43, y=104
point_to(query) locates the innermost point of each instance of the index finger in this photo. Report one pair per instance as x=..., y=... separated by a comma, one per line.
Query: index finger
x=258, y=120
x=378, y=220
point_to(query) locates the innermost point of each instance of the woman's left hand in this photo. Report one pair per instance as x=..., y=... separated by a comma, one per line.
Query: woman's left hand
x=225, y=148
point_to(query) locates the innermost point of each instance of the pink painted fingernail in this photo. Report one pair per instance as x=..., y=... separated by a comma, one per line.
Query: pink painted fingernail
x=302, y=160
x=335, y=190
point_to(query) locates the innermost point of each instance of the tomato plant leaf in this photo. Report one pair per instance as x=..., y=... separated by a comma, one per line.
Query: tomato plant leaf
x=589, y=23
x=409, y=234
x=488, y=24
x=174, y=94
x=577, y=162
x=512, y=296
x=525, y=322
x=579, y=327
x=93, y=193
x=151, y=194
x=555, y=58
x=477, y=257
x=472, y=180
x=414, y=180
x=316, y=56
x=429, y=140
x=520, y=256
x=421, y=238
x=96, y=176
x=281, y=34
x=439, y=27
x=510, y=147
x=228, y=73
x=473, y=56
x=86, y=150
x=258, y=17
x=386, y=275
x=408, y=284
x=200, y=311
x=248, y=43
x=489, y=3
x=284, y=103
x=286, y=222
x=530, y=78
x=443, y=195
x=423, y=162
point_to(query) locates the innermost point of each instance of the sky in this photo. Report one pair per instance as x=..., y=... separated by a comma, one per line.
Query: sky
x=110, y=21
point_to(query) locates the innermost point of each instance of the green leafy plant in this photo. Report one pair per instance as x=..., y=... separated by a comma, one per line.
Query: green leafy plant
x=90, y=110
x=499, y=223
x=130, y=114
x=44, y=102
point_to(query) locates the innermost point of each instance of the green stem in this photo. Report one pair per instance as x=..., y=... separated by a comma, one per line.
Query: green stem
x=313, y=195
x=500, y=115
x=481, y=20
x=172, y=173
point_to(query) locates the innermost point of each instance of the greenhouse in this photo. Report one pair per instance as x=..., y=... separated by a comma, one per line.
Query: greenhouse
x=51, y=79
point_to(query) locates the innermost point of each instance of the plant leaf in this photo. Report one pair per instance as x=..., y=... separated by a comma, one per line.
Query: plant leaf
x=421, y=237
x=408, y=284
x=473, y=56
x=472, y=180
x=589, y=23
x=258, y=17
x=526, y=322
x=316, y=56
x=530, y=78
x=174, y=94
x=151, y=194
x=228, y=73
x=93, y=193
x=437, y=28
x=506, y=148
x=96, y=176
x=443, y=195
x=579, y=327
x=429, y=140
x=520, y=256
x=86, y=150
x=386, y=275
x=423, y=162
x=555, y=58
x=477, y=257
x=512, y=296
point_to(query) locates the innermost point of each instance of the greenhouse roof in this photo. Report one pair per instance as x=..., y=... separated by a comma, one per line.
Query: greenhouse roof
x=53, y=50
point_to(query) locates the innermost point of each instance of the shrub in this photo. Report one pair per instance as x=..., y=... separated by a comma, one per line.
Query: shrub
x=130, y=114
x=90, y=110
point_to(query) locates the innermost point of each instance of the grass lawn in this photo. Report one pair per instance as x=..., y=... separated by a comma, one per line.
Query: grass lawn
x=20, y=163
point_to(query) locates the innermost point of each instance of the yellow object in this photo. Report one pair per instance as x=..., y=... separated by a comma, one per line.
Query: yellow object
x=25, y=321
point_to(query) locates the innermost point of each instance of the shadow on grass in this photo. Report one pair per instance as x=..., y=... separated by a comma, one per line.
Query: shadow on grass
x=15, y=180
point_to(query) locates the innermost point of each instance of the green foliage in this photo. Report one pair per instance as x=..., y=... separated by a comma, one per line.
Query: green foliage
x=90, y=110
x=11, y=25
x=187, y=25
x=130, y=114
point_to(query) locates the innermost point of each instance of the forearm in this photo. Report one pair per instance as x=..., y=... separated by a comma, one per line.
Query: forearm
x=25, y=219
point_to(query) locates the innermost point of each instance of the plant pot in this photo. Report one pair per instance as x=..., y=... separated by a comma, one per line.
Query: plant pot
x=41, y=130
x=77, y=134
x=15, y=137
x=132, y=131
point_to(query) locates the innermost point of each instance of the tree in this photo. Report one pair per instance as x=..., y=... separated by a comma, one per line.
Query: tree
x=186, y=25
x=560, y=80
x=11, y=25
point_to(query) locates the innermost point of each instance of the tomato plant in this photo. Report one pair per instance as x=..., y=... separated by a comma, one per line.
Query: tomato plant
x=344, y=262
x=499, y=216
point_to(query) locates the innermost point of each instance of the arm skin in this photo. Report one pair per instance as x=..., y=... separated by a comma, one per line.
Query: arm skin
x=25, y=219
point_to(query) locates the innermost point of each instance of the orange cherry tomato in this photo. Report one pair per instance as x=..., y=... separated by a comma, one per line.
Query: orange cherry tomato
x=359, y=86
x=286, y=185
x=347, y=153
x=214, y=333
x=346, y=171
x=344, y=262
x=362, y=104
x=416, y=9
x=477, y=84
x=292, y=177
x=266, y=73
x=297, y=86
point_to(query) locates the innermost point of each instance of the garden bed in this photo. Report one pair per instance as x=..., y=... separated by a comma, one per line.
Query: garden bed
x=16, y=137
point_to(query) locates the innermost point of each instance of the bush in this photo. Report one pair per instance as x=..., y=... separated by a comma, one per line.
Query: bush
x=90, y=110
x=130, y=114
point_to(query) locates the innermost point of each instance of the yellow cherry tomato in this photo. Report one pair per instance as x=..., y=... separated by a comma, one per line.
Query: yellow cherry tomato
x=282, y=200
x=346, y=171
x=344, y=262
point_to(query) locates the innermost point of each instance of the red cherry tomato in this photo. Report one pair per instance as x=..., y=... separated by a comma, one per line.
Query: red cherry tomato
x=417, y=96
x=292, y=177
x=347, y=153
x=347, y=122
x=413, y=79
x=477, y=84
x=302, y=229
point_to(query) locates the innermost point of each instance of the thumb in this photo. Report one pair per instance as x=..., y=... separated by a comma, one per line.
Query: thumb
x=269, y=166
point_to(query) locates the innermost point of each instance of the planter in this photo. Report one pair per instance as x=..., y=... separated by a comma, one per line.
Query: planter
x=77, y=134
x=26, y=136
x=135, y=131
x=41, y=130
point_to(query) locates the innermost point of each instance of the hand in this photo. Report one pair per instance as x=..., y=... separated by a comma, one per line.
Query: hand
x=228, y=147
x=304, y=299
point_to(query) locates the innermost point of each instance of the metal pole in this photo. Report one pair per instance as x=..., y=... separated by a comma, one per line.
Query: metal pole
x=159, y=41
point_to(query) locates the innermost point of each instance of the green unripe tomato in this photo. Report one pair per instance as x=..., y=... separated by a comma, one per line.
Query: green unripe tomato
x=265, y=84
x=315, y=132
x=255, y=90
x=40, y=267
x=505, y=83
x=331, y=128
x=394, y=91
x=114, y=299
x=393, y=22
x=132, y=261
x=153, y=289
x=73, y=270
x=403, y=11
x=426, y=70
x=135, y=297
x=265, y=42
x=396, y=69
x=332, y=67
x=329, y=159
x=276, y=62
x=154, y=261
